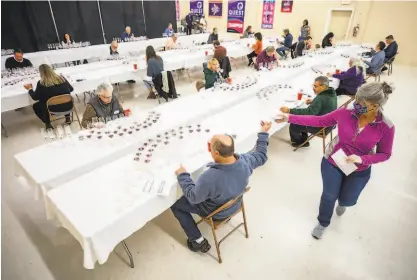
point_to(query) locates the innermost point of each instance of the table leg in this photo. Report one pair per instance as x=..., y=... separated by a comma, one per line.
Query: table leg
x=5, y=131
x=132, y=264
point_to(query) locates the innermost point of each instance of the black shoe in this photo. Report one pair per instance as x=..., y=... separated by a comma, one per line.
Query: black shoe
x=202, y=247
x=384, y=69
x=68, y=120
x=306, y=145
x=131, y=82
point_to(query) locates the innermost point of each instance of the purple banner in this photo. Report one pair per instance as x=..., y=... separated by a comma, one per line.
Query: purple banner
x=268, y=12
x=236, y=16
x=215, y=8
x=196, y=7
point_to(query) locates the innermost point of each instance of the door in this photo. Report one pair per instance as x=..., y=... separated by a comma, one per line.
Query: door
x=339, y=24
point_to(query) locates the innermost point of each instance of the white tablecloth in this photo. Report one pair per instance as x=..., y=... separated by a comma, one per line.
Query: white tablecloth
x=119, y=207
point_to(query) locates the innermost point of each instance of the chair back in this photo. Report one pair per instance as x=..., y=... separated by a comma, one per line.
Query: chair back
x=392, y=58
x=228, y=204
x=57, y=100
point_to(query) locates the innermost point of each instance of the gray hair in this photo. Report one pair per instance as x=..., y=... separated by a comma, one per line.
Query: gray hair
x=356, y=63
x=104, y=87
x=270, y=49
x=375, y=93
x=323, y=80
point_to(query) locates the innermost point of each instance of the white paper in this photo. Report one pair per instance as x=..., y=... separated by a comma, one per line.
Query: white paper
x=339, y=158
x=157, y=186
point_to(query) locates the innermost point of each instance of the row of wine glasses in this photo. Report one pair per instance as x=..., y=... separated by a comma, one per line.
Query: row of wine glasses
x=63, y=45
x=131, y=39
x=19, y=72
x=6, y=52
x=59, y=133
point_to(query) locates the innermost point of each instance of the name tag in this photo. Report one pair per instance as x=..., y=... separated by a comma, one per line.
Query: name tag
x=116, y=112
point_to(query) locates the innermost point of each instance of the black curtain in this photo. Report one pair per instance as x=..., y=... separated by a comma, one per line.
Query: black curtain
x=157, y=16
x=27, y=25
x=116, y=15
x=80, y=19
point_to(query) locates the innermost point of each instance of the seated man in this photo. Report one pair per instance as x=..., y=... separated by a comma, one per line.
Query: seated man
x=302, y=45
x=104, y=105
x=325, y=102
x=287, y=43
x=113, y=48
x=377, y=60
x=266, y=58
x=169, y=31
x=391, y=49
x=17, y=61
x=213, y=36
x=171, y=42
x=225, y=179
x=127, y=34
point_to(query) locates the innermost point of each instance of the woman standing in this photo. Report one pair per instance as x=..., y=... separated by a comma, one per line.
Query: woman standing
x=257, y=48
x=154, y=73
x=50, y=85
x=305, y=31
x=351, y=79
x=365, y=136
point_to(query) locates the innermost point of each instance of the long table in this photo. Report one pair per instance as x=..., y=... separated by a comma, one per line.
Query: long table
x=120, y=208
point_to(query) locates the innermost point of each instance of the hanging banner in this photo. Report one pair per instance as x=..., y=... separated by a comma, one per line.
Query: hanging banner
x=286, y=6
x=236, y=16
x=268, y=12
x=177, y=9
x=215, y=8
x=196, y=7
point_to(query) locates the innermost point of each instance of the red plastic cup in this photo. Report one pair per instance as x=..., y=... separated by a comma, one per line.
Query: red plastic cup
x=135, y=66
x=299, y=96
x=337, y=71
x=206, y=53
x=209, y=147
x=127, y=112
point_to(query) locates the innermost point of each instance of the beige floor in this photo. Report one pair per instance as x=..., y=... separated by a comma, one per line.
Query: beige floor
x=377, y=239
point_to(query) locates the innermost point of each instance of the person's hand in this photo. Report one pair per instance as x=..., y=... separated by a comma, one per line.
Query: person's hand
x=265, y=126
x=180, y=170
x=329, y=75
x=285, y=110
x=354, y=159
x=308, y=101
x=27, y=86
x=281, y=118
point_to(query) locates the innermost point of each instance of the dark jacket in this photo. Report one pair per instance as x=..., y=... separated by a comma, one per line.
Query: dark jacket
x=326, y=41
x=113, y=52
x=264, y=58
x=299, y=48
x=226, y=67
x=189, y=20
x=157, y=81
x=223, y=182
x=350, y=80
x=12, y=63
x=210, y=77
x=43, y=93
x=325, y=102
x=288, y=40
x=391, y=50
x=212, y=37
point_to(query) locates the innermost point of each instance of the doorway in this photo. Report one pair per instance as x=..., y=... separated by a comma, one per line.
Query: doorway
x=339, y=22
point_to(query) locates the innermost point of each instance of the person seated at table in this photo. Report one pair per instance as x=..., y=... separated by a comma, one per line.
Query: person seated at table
x=287, y=43
x=226, y=178
x=213, y=36
x=266, y=58
x=351, y=79
x=248, y=32
x=220, y=53
x=317, y=46
x=127, y=34
x=301, y=46
x=377, y=60
x=257, y=48
x=102, y=105
x=113, y=48
x=211, y=73
x=153, y=72
x=50, y=85
x=324, y=102
x=17, y=61
x=169, y=31
x=171, y=42
x=390, y=50
x=67, y=39
x=327, y=40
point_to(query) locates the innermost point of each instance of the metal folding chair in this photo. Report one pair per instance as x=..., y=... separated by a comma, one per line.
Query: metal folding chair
x=61, y=99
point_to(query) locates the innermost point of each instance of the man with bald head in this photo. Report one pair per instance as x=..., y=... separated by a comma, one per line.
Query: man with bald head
x=225, y=179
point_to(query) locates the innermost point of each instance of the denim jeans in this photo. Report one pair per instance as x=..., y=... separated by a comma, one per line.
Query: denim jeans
x=338, y=186
x=281, y=51
x=182, y=210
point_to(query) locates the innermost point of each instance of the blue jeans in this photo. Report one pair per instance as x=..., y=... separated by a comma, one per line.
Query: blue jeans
x=281, y=51
x=338, y=186
x=182, y=210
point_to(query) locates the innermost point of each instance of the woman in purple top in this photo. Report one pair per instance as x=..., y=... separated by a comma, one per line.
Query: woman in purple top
x=351, y=79
x=365, y=136
x=266, y=58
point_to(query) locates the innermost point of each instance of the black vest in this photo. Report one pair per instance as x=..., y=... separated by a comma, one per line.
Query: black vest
x=101, y=108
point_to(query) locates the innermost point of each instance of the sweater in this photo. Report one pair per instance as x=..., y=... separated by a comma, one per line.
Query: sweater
x=210, y=77
x=155, y=67
x=219, y=53
x=391, y=50
x=126, y=36
x=264, y=58
x=379, y=134
x=169, y=32
x=43, y=93
x=325, y=102
x=350, y=80
x=212, y=37
x=288, y=40
x=12, y=63
x=223, y=182
x=376, y=62
x=299, y=48
x=257, y=48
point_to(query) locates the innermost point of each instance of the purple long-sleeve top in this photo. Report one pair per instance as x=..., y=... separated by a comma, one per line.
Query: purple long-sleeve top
x=350, y=139
x=350, y=80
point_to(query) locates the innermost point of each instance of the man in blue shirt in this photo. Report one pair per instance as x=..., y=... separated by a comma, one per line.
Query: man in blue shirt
x=287, y=43
x=377, y=60
x=169, y=31
x=127, y=34
x=225, y=179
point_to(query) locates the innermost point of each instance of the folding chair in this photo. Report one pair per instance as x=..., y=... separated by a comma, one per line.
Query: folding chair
x=215, y=224
x=322, y=133
x=376, y=75
x=389, y=63
x=61, y=99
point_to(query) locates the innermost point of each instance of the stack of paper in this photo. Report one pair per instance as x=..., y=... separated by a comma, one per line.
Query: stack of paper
x=339, y=158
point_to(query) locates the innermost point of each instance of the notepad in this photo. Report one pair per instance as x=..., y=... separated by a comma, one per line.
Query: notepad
x=339, y=158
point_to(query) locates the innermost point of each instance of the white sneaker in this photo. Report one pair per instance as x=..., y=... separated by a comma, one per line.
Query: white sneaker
x=318, y=231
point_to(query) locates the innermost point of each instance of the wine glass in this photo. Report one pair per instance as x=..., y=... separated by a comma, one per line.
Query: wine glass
x=51, y=134
x=67, y=130
x=60, y=132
